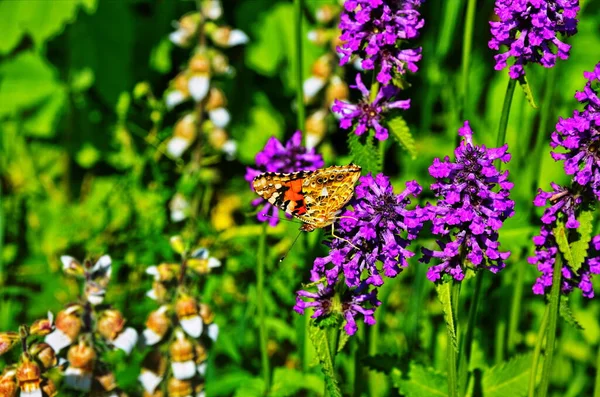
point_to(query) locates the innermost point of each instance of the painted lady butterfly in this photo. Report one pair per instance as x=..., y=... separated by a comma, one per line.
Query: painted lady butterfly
x=314, y=197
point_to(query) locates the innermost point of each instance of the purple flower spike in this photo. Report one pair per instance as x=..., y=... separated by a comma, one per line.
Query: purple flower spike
x=579, y=136
x=366, y=114
x=473, y=204
x=351, y=304
x=374, y=29
x=379, y=228
x=275, y=157
x=528, y=28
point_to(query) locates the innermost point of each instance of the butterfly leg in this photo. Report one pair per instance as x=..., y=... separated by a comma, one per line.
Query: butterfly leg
x=341, y=238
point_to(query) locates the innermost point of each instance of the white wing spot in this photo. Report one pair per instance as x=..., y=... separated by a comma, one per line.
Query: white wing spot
x=324, y=192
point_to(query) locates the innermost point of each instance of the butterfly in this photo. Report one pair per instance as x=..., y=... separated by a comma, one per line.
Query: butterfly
x=314, y=197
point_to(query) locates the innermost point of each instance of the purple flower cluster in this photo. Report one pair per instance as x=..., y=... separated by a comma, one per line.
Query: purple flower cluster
x=564, y=203
x=367, y=113
x=579, y=136
x=473, y=204
x=374, y=29
x=275, y=157
x=528, y=28
x=378, y=229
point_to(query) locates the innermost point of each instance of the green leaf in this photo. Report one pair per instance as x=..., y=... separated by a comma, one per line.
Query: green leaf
x=567, y=314
x=527, y=91
x=318, y=337
x=444, y=293
x=421, y=382
x=400, y=131
x=560, y=234
x=343, y=339
x=510, y=378
x=29, y=85
x=160, y=58
x=364, y=154
x=289, y=382
x=226, y=383
x=381, y=362
x=254, y=387
x=579, y=247
x=39, y=20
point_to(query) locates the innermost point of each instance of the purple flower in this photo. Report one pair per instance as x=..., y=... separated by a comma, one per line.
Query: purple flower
x=350, y=304
x=378, y=229
x=579, y=136
x=374, y=30
x=473, y=204
x=528, y=28
x=563, y=203
x=278, y=158
x=367, y=114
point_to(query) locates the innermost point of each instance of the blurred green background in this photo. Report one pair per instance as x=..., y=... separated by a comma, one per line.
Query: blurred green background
x=84, y=173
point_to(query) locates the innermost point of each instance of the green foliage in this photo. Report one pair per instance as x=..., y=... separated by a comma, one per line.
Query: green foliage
x=579, y=245
x=527, y=91
x=567, y=314
x=508, y=378
x=364, y=152
x=289, y=382
x=400, y=131
x=444, y=295
x=421, y=382
x=321, y=343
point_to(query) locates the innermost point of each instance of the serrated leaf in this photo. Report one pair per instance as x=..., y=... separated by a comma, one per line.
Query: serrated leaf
x=318, y=337
x=444, y=293
x=364, y=154
x=400, y=131
x=580, y=246
x=343, y=339
x=567, y=314
x=527, y=91
x=560, y=234
x=510, y=378
x=421, y=382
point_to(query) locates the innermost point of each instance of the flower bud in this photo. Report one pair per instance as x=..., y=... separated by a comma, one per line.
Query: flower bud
x=199, y=64
x=208, y=316
x=69, y=322
x=107, y=381
x=180, y=83
x=322, y=67
x=44, y=353
x=157, y=326
x=201, y=353
x=158, y=292
x=316, y=127
x=7, y=341
x=224, y=36
x=186, y=309
x=216, y=99
x=217, y=138
x=182, y=357
x=8, y=385
x=220, y=63
x=110, y=324
x=42, y=327
x=49, y=388
x=179, y=388
x=72, y=266
x=81, y=356
x=28, y=374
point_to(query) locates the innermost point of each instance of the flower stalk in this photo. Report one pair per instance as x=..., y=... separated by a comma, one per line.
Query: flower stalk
x=300, y=111
x=260, y=299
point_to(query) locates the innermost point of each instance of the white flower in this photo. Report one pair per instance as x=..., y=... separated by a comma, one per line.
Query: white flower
x=192, y=325
x=126, y=340
x=198, y=86
x=58, y=340
x=237, y=37
x=78, y=379
x=174, y=98
x=220, y=117
x=230, y=148
x=213, y=331
x=183, y=370
x=177, y=145
x=312, y=86
x=149, y=380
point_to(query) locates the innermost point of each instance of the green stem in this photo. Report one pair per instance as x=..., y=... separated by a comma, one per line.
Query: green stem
x=260, y=298
x=466, y=53
x=552, y=324
x=452, y=356
x=537, y=351
x=510, y=90
x=466, y=345
x=300, y=114
x=333, y=335
x=597, y=384
x=515, y=307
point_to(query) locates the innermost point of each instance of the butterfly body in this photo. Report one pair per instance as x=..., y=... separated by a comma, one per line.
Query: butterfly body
x=314, y=197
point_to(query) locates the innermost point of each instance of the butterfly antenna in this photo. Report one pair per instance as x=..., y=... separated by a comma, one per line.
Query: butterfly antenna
x=289, y=249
